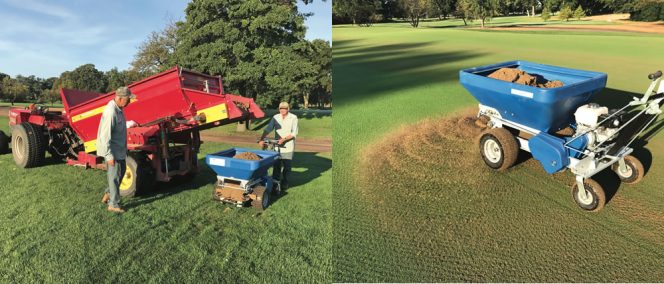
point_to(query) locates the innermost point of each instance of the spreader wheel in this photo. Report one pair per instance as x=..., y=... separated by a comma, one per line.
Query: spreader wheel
x=499, y=148
x=138, y=176
x=262, y=198
x=28, y=145
x=592, y=199
x=633, y=172
x=4, y=143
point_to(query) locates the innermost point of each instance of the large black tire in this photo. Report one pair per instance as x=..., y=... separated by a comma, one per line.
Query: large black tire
x=28, y=145
x=499, y=148
x=634, y=172
x=4, y=143
x=263, y=198
x=139, y=176
x=594, y=201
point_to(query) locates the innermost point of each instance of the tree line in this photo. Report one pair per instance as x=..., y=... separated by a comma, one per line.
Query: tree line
x=367, y=12
x=258, y=47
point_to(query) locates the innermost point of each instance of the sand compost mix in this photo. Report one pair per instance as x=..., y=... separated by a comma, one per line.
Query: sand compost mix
x=521, y=77
x=247, y=156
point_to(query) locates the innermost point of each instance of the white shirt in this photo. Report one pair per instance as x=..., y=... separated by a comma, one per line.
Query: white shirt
x=284, y=126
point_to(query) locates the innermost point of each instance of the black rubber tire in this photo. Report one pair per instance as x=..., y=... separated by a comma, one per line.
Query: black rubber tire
x=635, y=173
x=596, y=192
x=4, y=143
x=28, y=145
x=508, y=148
x=139, y=177
x=263, y=200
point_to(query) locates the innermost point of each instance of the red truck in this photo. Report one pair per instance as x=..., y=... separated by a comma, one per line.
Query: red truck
x=171, y=108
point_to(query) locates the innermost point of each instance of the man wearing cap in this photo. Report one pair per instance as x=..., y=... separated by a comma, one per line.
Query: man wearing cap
x=112, y=145
x=284, y=124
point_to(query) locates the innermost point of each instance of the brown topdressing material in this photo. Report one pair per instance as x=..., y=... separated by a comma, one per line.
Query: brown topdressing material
x=521, y=77
x=436, y=161
x=247, y=156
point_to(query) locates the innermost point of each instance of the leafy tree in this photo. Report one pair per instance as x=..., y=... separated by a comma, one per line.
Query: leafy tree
x=49, y=96
x=14, y=90
x=390, y=9
x=415, y=10
x=464, y=10
x=115, y=79
x=360, y=12
x=154, y=54
x=85, y=77
x=546, y=14
x=565, y=13
x=33, y=84
x=320, y=55
x=257, y=46
x=579, y=13
x=444, y=7
x=483, y=10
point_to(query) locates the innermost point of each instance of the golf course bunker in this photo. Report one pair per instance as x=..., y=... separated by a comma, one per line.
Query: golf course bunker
x=521, y=77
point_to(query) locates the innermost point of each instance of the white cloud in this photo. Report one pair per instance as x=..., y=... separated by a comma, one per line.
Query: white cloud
x=42, y=8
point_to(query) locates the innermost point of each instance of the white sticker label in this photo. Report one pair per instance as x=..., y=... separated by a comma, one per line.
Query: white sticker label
x=661, y=87
x=217, y=162
x=522, y=93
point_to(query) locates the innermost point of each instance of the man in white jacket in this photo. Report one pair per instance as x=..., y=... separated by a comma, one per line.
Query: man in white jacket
x=284, y=125
x=112, y=145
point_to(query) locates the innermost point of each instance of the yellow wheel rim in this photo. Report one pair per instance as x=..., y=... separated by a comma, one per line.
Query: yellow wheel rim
x=127, y=180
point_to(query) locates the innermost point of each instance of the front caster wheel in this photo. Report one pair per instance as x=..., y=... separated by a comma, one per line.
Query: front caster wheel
x=632, y=172
x=592, y=198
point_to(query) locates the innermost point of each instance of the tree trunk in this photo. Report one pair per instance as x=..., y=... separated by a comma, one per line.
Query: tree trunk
x=482, y=22
x=533, y=13
x=241, y=126
x=464, y=21
x=305, y=98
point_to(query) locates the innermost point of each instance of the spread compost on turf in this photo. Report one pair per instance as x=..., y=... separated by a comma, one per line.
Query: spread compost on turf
x=434, y=161
x=521, y=77
x=247, y=156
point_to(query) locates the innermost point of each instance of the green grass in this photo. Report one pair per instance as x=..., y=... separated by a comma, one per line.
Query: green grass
x=495, y=22
x=523, y=226
x=6, y=104
x=312, y=124
x=53, y=228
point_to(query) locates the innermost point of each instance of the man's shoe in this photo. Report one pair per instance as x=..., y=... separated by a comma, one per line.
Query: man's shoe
x=115, y=209
x=105, y=198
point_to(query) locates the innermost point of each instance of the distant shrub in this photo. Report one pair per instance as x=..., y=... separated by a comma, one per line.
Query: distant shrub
x=546, y=14
x=647, y=11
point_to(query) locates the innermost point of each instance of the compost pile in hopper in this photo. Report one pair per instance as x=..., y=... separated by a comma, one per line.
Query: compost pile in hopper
x=247, y=156
x=521, y=77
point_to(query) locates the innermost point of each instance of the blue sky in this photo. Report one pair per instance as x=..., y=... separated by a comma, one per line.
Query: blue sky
x=45, y=38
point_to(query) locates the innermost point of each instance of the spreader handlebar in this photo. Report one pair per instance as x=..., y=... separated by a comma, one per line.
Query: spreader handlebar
x=654, y=76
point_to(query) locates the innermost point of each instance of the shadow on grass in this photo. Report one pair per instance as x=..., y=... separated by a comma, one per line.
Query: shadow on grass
x=366, y=72
x=314, y=166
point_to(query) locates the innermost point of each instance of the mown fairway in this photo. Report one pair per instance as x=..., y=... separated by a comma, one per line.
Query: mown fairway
x=53, y=228
x=521, y=225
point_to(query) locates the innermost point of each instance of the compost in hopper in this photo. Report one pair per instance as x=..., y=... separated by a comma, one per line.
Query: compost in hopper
x=247, y=156
x=515, y=75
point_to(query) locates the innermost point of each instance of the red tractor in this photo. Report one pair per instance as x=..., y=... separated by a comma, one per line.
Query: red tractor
x=171, y=108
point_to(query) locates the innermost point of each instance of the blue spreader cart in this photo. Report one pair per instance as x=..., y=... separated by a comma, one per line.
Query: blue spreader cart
x=560, y=126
